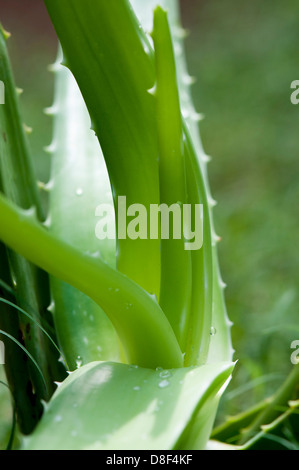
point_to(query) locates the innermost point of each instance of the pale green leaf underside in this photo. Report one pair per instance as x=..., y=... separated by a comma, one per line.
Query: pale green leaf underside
x=79, y=184
x=115, y=406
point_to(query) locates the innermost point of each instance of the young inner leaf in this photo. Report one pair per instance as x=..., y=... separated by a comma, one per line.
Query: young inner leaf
x=176, y=273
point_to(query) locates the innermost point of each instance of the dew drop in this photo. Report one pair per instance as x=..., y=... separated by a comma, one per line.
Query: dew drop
x=164, y=374
x=212, y=331
x=136, y=388
x=164, y=384
x=79, y=192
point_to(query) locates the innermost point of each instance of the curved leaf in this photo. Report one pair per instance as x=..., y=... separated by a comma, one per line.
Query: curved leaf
x=79, y=184
x=116, y=406
x=145, y=332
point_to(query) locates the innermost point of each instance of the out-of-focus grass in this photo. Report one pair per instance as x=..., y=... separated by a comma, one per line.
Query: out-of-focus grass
x=5, y=411
x=245, y=56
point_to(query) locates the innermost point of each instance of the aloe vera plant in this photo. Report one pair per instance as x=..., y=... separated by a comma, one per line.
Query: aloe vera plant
x=141, y=324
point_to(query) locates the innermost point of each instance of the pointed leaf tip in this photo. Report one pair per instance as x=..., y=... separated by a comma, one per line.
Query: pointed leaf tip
x=159, y=15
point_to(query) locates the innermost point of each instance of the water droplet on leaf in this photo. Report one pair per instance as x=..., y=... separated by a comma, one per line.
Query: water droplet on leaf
x=164, y=384
x=164, y=374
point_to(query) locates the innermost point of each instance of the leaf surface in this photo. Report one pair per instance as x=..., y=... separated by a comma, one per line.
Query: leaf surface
x=116, y=406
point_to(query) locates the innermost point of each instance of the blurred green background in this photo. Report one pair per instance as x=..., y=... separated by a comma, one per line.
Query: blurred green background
x=245, y=56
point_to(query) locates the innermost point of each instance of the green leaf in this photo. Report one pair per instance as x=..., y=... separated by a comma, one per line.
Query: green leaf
x=208, y=310
x=116, y=406
x=145, y=332
x=79, y=184
x=176, y=269
x=127, y=133
x=111, y=59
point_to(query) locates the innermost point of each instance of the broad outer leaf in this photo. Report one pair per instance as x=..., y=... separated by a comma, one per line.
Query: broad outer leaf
x=79, y=184
x=115, y=406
